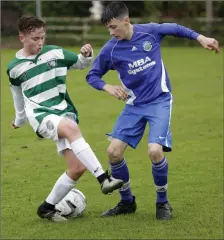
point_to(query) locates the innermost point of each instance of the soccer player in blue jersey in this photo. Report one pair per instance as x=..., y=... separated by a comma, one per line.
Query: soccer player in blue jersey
x=134, y=52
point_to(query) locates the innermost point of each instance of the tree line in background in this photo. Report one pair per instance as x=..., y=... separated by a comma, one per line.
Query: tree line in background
x=11, y=10
x=137, y=8
x=179, y=11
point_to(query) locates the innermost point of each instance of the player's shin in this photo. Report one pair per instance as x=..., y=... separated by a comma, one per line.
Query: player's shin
x=160, y=172
x=120, y=171
x=85, y=154
x=61, y=188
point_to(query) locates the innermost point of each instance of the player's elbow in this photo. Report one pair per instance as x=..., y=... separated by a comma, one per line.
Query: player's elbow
x=89, y=79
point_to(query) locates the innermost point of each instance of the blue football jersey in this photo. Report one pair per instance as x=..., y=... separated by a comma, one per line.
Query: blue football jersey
x=138, y=61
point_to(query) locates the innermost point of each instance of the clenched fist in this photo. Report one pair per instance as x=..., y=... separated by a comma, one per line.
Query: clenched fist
x=86, y=50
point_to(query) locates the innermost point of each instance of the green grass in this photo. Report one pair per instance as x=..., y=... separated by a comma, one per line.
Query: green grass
x=30, y=166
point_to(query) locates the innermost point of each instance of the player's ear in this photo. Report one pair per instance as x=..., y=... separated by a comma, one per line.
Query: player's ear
x=21, y=37
x=126, y=20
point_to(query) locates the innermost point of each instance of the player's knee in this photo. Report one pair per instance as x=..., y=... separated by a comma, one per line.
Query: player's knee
x=77, y=171
x=69, y=128
x=155, y=152
x=114, y=154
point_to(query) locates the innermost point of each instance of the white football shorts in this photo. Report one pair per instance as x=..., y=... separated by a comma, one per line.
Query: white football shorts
x=48, y=129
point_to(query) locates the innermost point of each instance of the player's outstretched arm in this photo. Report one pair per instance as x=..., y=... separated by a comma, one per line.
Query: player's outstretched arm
x=20, y=118
x=80, y=61
x=208, y=43
x=177, y=30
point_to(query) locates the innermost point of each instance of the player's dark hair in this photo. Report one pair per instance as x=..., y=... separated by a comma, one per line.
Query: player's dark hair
x=27, y=24
x=114, y=10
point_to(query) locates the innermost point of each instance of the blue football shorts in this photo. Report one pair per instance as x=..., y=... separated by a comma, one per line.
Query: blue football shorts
x=131, y=123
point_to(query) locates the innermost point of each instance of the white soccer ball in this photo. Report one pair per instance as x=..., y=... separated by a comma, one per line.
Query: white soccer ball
x=73, y=204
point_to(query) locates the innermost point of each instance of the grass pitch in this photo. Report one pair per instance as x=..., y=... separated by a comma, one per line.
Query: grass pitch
x=30, y=166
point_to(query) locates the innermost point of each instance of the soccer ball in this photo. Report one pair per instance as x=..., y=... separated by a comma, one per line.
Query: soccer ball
x=72, y=205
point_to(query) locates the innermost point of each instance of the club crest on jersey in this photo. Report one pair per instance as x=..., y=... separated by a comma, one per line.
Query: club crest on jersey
x=52, y=63
x=24, y=76
x=147, y=46
x=50, y=125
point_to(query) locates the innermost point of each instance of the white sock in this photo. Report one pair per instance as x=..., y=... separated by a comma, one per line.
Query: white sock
x=85, y=154
x=61, y=188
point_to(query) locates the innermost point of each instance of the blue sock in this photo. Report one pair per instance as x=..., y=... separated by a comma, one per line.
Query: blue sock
x=120, y=171
x=160, y=172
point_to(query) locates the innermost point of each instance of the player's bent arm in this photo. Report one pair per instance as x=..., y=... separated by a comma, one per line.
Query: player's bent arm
x=17, y=95
x=82, y=62
x=93, y=78
x=176, y=30
x=101, y=65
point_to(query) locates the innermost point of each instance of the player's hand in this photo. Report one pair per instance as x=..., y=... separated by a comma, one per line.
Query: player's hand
x=86, y=50
x=209, y=43
x=116, y=91
x=14, y=126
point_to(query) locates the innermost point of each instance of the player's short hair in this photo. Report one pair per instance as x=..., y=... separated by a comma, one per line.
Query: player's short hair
x=27, y=24
x=114, y=10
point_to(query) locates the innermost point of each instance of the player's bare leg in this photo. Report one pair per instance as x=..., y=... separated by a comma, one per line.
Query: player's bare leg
x=63, y=185
x=70, y=130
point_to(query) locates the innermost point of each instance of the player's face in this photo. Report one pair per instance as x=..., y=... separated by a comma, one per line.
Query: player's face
x=118, y=28
x=33, y=41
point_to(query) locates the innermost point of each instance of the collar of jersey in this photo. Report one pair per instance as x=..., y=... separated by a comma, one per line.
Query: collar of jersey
x=32, y=58
x=19, y=55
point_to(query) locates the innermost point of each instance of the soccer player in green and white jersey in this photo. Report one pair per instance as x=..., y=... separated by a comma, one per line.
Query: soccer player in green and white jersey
x=37, y=76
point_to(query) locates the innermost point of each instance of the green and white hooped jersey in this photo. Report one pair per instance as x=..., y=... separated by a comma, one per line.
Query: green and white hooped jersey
x=41, y=83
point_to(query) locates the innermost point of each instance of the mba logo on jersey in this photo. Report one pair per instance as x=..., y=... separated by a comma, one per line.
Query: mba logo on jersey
x=139, y=62
x=147, y=46
x=140, y=65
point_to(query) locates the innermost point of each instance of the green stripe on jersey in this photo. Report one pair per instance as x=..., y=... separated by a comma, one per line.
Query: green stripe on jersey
x=59, y=58
x=47, y=112
x=42, y=68
x=71, y=107
x=70, y=58
x=15, y=62
x=51, y=102
x=33, y=72
x=44, y=86
x=42, y=116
